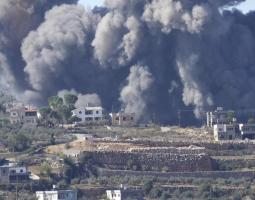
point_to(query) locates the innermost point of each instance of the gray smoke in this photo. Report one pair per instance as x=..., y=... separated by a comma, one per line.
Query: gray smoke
x=17, y=19
x=171, y=15
x=152, y=57
x=83, y=99
x=134, y=94
x=62, y=37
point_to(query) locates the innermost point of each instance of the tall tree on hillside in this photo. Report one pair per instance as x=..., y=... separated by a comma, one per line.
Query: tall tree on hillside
x=55, y=102
x=70, y=100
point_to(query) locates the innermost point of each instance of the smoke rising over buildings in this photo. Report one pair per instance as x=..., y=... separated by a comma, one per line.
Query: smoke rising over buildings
x=149, y=56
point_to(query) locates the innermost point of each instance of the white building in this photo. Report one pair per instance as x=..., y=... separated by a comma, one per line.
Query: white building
x=224, y=132
x=219, y=116
x=113, y=194
x=57, y=195
x=123, y=119
x=89, y=114
x=247, y=131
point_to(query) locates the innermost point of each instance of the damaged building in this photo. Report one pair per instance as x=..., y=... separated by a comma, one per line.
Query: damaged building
x=123, y=119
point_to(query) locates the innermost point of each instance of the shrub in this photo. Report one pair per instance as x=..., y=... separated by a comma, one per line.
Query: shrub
x=155, y=192
x=147, y=187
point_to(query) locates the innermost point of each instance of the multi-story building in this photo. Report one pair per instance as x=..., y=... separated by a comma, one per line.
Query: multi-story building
x=57, y=195
x=224, y=131
x=89, y=114
x=13, y=174
x=123, y=119
x=113, y=194
x=247, y=131
x=24, y=115
x=18, y=174
x=4, y=174
x=219, y=116
x=17, y=115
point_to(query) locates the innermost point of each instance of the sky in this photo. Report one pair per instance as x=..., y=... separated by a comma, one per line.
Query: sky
x=247, y=6
x=92, y=3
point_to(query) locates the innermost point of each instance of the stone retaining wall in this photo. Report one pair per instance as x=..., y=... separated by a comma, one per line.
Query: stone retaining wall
x=204, y=174
x=153, y=161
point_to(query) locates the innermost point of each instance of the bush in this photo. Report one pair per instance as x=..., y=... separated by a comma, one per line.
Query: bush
x=19, y=142
x=62, y=184
x=155, y=193
x=165, y=195
x=147, y=187
x=187, y=194
x=237, y=196
x=75, y=181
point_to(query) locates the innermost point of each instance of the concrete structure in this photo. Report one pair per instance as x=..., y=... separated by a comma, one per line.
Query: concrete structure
x=57, y=195
x=123, y=119
x=89, y=114
x=17, y=115
x=31, y=117
x=247, y=131
x=224, y=132
x=4, y=175
x=13, y=174
x=219, y=116
x=24, y=115
x=113, y=194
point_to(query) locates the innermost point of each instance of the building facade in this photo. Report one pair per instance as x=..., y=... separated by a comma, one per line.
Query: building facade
x=17, y=115
x=123, y=119
x=224, y=132
x=57, y=195
x=4, y=175
x=219, y=116
x=13, y=174
x=247, y=131
x=113, y=194
x=24, y=115
x=89, y=114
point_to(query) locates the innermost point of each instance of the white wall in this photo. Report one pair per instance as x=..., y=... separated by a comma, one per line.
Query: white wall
x=89, y=113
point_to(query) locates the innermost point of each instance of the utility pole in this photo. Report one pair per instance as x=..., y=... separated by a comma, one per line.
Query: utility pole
x=179, y=118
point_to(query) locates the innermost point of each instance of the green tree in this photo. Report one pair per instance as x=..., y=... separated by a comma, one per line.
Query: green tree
x=147, y=187
x=251, y=121
x=74, y=119
x=19, y=142
x=45, y=112
x=65, y=113
x=55, y=102
x=230, y=115
x=46, y=169
x=70, y=99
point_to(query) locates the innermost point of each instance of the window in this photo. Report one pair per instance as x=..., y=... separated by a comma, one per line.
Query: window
x=88, y=112
x=89, y=119
x=124, y=118
x=117, y=118
x=97, y=112
x=96, y=118
x=80, y=112
x=21, y=171
x=131, y=118
x=30, y=114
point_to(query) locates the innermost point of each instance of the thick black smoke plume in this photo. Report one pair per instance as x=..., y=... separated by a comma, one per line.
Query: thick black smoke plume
x=152, y=57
